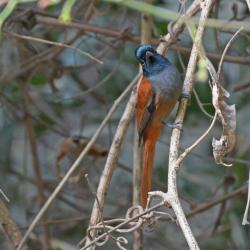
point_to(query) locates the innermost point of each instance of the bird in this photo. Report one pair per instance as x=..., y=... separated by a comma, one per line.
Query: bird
x=157, y=94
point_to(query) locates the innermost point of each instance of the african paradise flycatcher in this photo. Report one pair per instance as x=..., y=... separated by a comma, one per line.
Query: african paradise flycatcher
x=158, y=93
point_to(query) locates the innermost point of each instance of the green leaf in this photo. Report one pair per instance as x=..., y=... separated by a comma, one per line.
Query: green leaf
x=202, y=73
x=7, y=11
x=148, y=8
x=66, y=11
x=39, y=127
x=39, y=80
x=171, y=15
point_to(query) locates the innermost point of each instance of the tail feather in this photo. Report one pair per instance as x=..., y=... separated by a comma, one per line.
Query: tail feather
x=148, y=162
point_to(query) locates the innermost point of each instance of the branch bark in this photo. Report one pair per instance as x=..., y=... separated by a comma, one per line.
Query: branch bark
x=175, y=138
x=171, y=197
x=35, y=163
x=9, y=227
x=127, y=36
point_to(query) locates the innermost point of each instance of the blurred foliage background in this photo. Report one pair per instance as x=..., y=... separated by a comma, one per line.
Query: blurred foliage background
x=53, y=99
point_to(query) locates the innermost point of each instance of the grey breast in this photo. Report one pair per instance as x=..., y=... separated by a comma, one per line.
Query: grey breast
x=167, y=83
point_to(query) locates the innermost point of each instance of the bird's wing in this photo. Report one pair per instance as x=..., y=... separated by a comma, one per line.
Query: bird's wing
x=146, y=106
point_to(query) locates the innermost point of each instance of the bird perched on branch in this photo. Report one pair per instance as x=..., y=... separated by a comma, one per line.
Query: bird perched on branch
x=158, y=93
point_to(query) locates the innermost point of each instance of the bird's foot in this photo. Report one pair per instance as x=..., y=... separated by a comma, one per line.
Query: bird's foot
x=177, y=125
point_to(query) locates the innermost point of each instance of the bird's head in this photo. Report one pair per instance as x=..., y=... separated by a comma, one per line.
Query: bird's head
x=152, y=62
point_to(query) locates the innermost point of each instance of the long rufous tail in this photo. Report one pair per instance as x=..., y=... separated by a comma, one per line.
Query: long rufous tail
x=148, y=162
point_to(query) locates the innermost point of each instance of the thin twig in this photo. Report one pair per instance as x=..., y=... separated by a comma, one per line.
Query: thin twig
x=58, y=44
x=213, y=202
x=205, y=206
x=190, y=148
x=245, y=220
x=122, y=224
x=100, y=213
x=4, y=195
x=177, y=28
x=36, y=162
x=200, y=104
x=33, y=61
x=135, y=38
x=241, y=87
x=225, y=51
x=9, y=227
x=99, y=84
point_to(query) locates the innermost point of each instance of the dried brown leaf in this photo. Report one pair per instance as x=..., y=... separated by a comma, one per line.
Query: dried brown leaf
x=226, y=113
x=227, y=116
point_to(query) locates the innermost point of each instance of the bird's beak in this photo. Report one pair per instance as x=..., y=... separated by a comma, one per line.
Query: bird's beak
x=148, y=55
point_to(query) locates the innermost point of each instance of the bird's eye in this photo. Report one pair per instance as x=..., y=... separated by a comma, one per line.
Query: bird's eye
x=143, y=62
x=151, y=59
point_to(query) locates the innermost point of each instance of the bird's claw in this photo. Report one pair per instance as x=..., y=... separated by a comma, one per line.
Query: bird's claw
x=177, y=125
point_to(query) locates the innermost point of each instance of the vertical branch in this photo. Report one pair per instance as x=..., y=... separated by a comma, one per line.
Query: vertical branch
x=35, y=161
x=90, y=11
x=137, y=164
x=4, y=195
x=9, y=227
x=248, y=4
x=175, y=138
x=146, y=33
x=244, y=220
